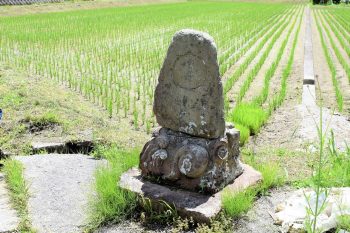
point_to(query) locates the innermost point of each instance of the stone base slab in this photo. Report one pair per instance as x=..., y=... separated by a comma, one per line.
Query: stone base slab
x=188, y=204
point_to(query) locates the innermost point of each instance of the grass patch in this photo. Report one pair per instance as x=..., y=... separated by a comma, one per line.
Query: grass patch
x=48, y=118
x=272, y=176
x=237, y=203
x=111, y=203
x=249, y=116
x=13, y=171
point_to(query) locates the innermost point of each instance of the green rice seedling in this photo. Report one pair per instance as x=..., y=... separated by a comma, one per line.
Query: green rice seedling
x=245, y=86
x=338, y=93
x=339, y=56
x=261, y=98
x=110, y=108
x=230, y=60
x=339, y=33
x=249, y=116
x=278, y=99
x=240, y=70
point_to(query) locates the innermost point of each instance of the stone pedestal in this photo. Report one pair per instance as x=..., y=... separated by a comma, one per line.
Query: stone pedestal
x=192, y=163
x=200, y=207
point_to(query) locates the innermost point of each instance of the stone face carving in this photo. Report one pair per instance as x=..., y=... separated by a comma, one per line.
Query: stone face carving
x=188, y=97
x=193, y=149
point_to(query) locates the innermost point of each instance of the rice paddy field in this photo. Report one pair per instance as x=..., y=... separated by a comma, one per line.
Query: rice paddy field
x=109, y=57
x=113, y=56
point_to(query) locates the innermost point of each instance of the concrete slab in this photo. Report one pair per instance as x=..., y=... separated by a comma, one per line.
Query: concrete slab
x=59, y=187
x=8, y=216
x=309, y=96
x=49, y=147
x=188, y=204
x=308, y=53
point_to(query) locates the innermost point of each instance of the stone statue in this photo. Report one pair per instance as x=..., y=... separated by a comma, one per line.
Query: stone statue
x=193, y=149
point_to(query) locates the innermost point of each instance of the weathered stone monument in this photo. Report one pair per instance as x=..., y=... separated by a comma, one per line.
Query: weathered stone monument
x=193, y=149
x=193, y=154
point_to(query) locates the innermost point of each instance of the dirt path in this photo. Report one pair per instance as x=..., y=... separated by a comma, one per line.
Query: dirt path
x=260, y=217
x=59, y=187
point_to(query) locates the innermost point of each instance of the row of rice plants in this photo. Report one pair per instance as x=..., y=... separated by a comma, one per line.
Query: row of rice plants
x=253, y=73
x=332, y=68
x=342, y=17
x=113, y=56
x=277, y=100
x=250, y=117
x=230, y=58
x=339, y=33
x=241, y=69
x=262, y=96
x=343, y=61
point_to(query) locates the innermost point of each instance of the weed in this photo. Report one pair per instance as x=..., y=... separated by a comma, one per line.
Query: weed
x=181, y=225
x=163, y=213
x=221, y=224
